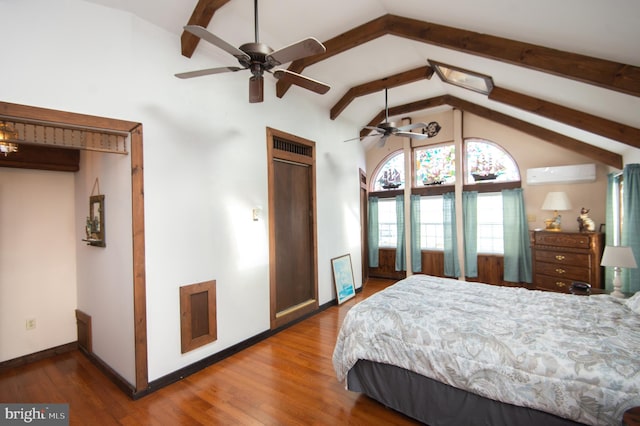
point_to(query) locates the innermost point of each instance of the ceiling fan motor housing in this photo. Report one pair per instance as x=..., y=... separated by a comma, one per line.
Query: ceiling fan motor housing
x=258, y=53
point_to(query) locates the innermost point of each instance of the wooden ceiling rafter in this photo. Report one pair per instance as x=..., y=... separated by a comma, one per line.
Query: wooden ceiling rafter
x=202, y=15
x=607, y=74
x=597, y=154
x=370, y=87
x=609, y=129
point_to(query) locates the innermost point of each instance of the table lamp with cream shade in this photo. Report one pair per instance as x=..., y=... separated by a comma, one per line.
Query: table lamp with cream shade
x=556, y=201
x=618, y=257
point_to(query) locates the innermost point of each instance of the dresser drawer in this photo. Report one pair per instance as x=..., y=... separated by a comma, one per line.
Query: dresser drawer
x=544, y=282
x=552, y=256
x=567, y=272
x=562, y=240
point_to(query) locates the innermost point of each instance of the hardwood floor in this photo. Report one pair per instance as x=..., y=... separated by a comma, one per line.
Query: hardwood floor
x=287, y=379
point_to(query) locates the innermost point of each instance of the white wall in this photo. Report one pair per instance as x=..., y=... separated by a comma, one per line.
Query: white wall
x=105, y=274
x=205, y=164
x=37, y=261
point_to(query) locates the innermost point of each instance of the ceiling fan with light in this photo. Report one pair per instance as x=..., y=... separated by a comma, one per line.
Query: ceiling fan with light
x=388, y=128
x=258, y=58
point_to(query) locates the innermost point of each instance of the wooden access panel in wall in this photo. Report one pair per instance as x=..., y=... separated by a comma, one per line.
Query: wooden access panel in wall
x=198, y=325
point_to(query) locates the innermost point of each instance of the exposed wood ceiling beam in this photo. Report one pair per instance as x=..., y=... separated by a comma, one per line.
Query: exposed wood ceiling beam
x=202, y=14
x=599, y=72
x=375, y=86
x=591, y=123
x=597, y=154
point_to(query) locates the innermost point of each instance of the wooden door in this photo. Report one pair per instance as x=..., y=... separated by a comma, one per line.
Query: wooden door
x=292, y=233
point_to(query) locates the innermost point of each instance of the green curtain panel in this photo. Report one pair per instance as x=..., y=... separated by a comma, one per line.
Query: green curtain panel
x=517, y=249
x=373, y=237
x=470, y=222
x=401, y=260
x=416, y=251
x=631, y=227
x=451, y=265
x=608, y=271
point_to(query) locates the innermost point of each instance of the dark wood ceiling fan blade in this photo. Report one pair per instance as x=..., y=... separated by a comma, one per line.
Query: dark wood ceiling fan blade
x=256, y=89
x=204, y=34
x=302, y=81
x=208, y=71
x=298, y=50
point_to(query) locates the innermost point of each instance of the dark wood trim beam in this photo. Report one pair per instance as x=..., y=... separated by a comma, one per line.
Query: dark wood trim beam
x=202, y=15
x=599, y=72
x=49, y=115
x=345, y=41
x=370, y=87
x=597, y=154
x=139, y=269
x=591, y=123
x=42, y=158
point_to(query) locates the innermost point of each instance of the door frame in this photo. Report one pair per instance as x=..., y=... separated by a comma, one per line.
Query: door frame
x=137, y=215
x=302, y=152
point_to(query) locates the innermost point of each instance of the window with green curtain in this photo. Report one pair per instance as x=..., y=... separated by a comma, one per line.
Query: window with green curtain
x=451, y=264
x=631, y=225
x=517, y=249
x=416, y=252
x=373, y=236
x=401, y=261
x=470, y=217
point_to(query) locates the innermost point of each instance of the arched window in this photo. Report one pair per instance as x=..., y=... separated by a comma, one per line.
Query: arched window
x=488, y=162
x=390, y=173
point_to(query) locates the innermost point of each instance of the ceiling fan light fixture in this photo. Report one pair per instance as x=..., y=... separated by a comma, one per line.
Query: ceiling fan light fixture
x=7, y=134
x=463, y=78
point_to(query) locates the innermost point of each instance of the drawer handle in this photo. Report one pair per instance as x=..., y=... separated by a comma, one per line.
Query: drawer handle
x=560, y=270
x=560, y=284
x=559, y=257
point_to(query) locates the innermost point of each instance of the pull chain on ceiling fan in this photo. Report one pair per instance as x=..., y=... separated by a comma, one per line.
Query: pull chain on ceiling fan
x=388, y=128
x=258, y=58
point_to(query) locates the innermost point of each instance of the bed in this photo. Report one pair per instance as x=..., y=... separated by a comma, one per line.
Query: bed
x=447, y=352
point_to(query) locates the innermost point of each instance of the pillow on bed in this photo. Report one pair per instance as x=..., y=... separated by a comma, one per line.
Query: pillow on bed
x=634, y=303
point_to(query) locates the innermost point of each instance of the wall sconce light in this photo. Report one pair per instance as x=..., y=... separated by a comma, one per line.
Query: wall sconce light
x=618, y=257
x=555, y=201
x=7, y=135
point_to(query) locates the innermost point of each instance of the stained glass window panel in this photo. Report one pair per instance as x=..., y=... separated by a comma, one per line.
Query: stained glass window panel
x=435, y=165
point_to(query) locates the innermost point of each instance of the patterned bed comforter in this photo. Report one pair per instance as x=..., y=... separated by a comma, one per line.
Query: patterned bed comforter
x=574, y=356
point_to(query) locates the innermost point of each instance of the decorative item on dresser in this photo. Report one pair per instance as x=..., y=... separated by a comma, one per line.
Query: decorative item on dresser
x=560, y=258
x=555, y=201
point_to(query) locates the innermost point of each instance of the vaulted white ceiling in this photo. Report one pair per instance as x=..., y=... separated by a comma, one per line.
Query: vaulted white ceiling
x=605, y=30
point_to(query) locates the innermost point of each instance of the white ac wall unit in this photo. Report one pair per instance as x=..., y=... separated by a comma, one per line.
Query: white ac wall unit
x=578, y=173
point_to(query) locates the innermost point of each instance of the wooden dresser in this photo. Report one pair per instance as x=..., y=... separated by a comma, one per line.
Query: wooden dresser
x=560, y=258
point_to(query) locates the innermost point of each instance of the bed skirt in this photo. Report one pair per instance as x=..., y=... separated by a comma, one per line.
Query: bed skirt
x=438, y=404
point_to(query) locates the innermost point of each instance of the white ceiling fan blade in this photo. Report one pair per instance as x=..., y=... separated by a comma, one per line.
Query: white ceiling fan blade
x=300, y=49
x=208, y=71
x=411, y=135
x=412, y=126
x=302, y=81
x=202, y=32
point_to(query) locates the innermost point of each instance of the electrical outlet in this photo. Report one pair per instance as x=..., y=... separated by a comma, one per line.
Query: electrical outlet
x=30, y=324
